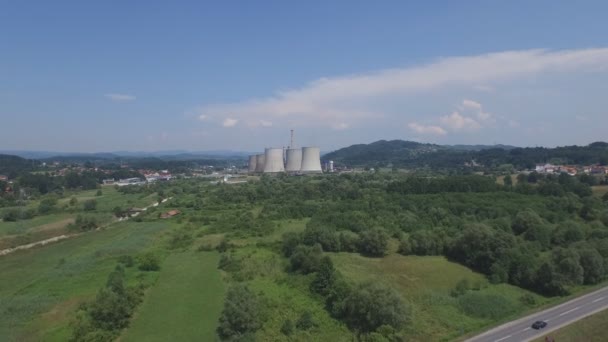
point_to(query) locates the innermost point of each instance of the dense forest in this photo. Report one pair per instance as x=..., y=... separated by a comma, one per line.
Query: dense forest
x=408, y=154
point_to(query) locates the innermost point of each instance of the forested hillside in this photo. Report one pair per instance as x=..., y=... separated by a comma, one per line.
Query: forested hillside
x=414, y=155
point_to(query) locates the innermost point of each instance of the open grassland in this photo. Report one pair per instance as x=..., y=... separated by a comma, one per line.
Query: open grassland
x=185, y=304
x=42, y=287
x=589, y=329
x=599, y=190
x=426, y=282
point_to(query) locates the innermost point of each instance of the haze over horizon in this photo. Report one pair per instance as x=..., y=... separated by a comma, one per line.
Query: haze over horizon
x=114, y=76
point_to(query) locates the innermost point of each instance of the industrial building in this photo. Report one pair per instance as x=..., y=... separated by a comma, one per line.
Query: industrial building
x=291, y=160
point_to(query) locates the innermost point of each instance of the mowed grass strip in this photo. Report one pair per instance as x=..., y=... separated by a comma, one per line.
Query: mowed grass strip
x=589, y=329
x=185, y=304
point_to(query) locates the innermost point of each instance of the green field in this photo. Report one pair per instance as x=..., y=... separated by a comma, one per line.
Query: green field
x=56, y=222
x=589, y=329
x=185, y=304
x=42, y=287
x=426, y=283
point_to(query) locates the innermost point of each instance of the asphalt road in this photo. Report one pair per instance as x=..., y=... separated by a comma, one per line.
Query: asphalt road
x=556, y=317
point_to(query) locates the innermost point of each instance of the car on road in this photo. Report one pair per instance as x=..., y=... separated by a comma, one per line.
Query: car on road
x=539, y=325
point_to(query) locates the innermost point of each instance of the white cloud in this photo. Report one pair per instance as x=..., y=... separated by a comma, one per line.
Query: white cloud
x=265, y=123
x=340, y=126
x=471, y=104
x=349, y=99
x=120, y=97
x=229, y=122
x=424, y=129
x=457, y=122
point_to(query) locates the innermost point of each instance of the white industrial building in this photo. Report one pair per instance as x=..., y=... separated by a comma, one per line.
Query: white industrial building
x=294, y=160
x=259, y=162
x=273, y=160
x=252, y=163
x=311, y=160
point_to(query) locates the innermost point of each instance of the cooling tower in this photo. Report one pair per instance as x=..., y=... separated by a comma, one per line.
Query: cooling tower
x=259, y=162
x=294, y=160
x=252, y=163
x=311, y=159
x=274, y=160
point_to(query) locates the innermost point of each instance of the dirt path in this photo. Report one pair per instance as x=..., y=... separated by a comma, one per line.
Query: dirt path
x=67, y=236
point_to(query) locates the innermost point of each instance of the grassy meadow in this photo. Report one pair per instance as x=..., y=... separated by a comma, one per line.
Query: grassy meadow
x=185, y=303
x=589, y=329
x=42, y=287
x=426, y=283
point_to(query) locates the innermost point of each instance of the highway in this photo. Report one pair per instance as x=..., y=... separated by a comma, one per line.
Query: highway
x=556, y=317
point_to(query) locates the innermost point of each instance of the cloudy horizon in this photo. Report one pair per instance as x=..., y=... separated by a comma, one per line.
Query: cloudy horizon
x=217, y=86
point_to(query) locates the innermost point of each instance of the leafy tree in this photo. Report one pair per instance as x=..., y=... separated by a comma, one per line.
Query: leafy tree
x=374, y=242
x=149, y=262
x=98, y=193
x=593, y=266
x=525, y=220
x=325, y=277
x=242, y=313
x=90, y=205
x=306, y=259
x=372, y=305
x=567, y=265
x=73, y=201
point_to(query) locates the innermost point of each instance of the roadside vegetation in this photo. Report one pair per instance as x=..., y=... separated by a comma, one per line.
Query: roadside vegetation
x=371, y=257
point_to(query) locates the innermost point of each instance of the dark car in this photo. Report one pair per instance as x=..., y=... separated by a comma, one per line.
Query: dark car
x=539, y=325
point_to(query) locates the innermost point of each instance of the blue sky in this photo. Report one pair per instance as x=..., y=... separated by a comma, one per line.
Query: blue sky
x=145, y=75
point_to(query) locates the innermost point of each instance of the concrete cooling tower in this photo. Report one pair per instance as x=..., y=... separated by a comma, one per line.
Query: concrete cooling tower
x=311, y=160
x=294, y=160
x=252, y=163
x=259, y=162
x=274, y=160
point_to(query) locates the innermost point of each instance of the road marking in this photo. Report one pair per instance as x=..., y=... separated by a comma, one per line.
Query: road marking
x=504, y=338
x=528, y=328
x=597, y=300
x=569, y=311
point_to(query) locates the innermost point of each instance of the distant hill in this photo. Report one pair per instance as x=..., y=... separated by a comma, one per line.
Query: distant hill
x=165, y=155
x=11, y=165
x=415, y=155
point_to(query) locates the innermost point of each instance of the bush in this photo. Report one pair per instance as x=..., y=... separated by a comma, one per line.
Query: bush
x=242, y=313
x=461, y=288
x=372, y=305
x=287, y=328
x=149, y=262
x=90, y=205
x=305, y=321
x=306, y=259
x=374, y=242
x=98, y=193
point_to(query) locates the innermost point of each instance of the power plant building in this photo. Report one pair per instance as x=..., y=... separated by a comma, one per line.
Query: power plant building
x=311, y=160
x=274, y=160
x=259, y=162
x=294, y=160
x=252, y=163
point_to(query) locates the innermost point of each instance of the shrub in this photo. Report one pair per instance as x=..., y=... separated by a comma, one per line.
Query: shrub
x=306, y=259
x=371, y=305
x=90, y=205
x=287, y=328
x=374, y=242
x=242, y=313
x=149, y=262
x=305, y=321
